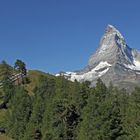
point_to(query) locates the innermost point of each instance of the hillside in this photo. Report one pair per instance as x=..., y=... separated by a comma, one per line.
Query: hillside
x=46, y=107
x=34, y=76
x=3, y=137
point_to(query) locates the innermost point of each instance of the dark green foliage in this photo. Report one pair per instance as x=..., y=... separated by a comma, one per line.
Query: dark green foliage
x=8, y=88
x=101, y=118
x=62, y=110
x=20, y=108
x=20, y=66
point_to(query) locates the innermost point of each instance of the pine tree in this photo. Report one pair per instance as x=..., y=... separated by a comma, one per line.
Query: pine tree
x=19, y=113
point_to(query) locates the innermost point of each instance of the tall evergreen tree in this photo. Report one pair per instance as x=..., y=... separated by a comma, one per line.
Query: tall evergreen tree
x=6, y=83
x=19, y=113
x=101, y=118
x=20, y=66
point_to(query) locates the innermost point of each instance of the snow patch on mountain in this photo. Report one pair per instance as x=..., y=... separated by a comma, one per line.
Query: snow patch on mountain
x=104, y=48
x=135, y=66
x=96, y=72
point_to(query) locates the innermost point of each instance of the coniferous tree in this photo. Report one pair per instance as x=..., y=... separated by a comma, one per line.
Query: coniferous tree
x=101, y=118
x=20, y=66
x=19, y=113
x=6, y=83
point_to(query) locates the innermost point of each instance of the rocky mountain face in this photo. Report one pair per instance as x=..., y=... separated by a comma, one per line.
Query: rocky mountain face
x=114, y=62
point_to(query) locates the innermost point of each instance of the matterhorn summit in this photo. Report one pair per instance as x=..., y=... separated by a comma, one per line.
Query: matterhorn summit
x=114, y=62
x=112, y=47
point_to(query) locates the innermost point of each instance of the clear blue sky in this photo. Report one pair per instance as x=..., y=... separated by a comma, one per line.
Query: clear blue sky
x=55, y=35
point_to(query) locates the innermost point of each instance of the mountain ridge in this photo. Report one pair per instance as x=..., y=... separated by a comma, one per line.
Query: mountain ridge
x=113, y=61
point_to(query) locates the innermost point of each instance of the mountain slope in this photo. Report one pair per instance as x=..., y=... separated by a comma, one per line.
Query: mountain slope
x=114, y=61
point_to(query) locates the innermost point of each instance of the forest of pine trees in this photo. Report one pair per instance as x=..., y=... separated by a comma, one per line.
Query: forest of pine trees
x=59, y=109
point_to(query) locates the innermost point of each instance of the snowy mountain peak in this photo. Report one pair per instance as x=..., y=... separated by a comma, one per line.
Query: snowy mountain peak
x=112, y=48
x=111, y=26
x=111, y=29
x=113, y=62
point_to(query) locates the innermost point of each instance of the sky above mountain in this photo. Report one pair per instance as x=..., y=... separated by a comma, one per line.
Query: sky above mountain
x=56, y=35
